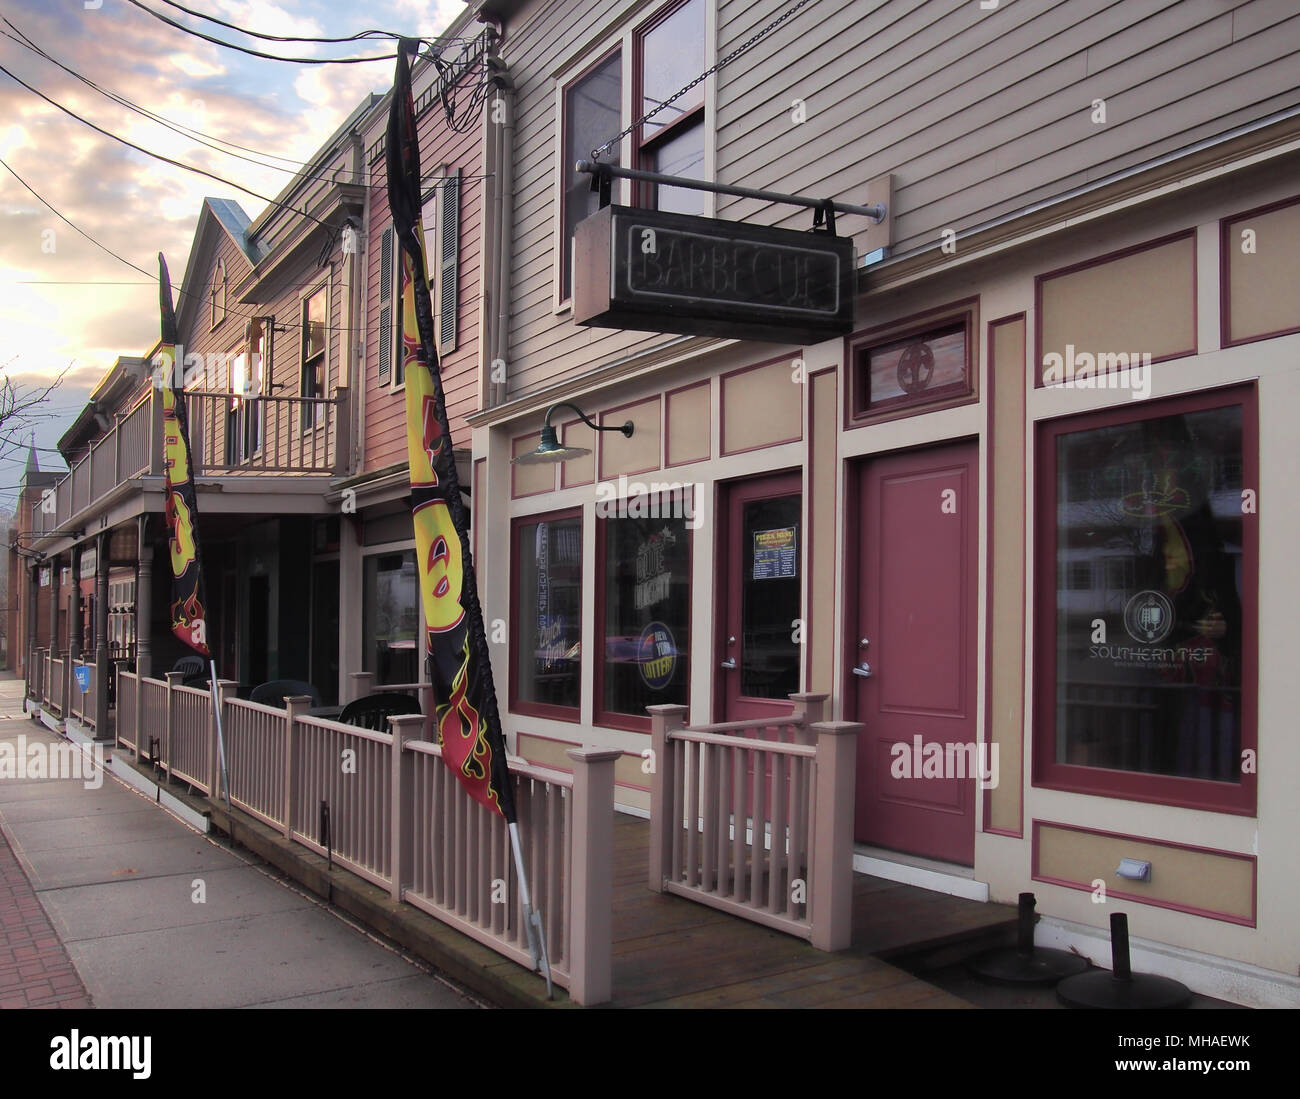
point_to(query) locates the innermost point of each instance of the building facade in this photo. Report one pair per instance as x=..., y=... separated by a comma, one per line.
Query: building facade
x=1016, y=520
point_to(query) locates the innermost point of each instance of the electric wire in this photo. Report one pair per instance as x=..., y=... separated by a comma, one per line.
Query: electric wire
x=260, y=53
x=200, y=298
x=181, y=129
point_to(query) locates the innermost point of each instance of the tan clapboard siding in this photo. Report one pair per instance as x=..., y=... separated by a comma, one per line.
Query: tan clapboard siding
x=977, y=115
x=545, y=347
x=980, y=114
x=385, y=409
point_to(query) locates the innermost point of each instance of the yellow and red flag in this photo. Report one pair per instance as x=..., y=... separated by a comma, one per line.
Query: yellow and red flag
x=460, y=667
x=187, y=610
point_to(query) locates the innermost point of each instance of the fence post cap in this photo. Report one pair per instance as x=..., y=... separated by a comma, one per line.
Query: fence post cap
x=808, y=696
x=838, y=728
x=590, y=753
x=175, y=679
x=667, y=708
x=406, y=726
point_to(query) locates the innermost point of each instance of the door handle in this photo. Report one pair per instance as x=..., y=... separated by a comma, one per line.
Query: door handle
x=863, y=670
x=730, y=664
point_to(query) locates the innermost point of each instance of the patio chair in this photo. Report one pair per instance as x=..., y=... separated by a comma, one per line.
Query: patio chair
x=277, y=690
x=373, y=711
x=194, y=670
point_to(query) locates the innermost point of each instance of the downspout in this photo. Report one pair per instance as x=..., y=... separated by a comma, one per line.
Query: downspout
x=504, y=168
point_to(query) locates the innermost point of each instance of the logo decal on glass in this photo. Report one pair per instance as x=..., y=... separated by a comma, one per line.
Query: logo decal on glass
x=1148, y=617
x=657, y=656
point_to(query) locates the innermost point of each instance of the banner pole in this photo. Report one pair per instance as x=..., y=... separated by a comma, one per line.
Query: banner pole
x=532, y=920
x=221, y=744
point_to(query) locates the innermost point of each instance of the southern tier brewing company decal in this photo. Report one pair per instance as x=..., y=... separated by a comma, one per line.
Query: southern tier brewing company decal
x=662, y=272
x=1149, y=616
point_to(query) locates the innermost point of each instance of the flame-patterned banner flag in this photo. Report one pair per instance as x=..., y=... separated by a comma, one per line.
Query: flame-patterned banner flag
x=460, y=667
x=187, y=610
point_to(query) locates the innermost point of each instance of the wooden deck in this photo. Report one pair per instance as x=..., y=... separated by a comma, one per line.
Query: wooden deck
x=672, y=952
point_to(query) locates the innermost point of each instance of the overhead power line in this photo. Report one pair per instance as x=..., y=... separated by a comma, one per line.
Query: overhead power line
x=184, y=131
x=259, y=53
x=289, y=37
x=159, y=156
x=122, y=259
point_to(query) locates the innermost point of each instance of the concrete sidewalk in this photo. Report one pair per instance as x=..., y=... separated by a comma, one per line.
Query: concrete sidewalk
x=103, y=888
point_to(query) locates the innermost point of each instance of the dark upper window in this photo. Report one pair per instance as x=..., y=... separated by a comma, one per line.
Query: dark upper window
x=667, y=53
x=591, y=117
x=312, y=384
x=670, y=54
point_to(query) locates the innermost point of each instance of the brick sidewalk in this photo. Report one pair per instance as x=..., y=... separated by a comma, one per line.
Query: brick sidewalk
x=35, y=970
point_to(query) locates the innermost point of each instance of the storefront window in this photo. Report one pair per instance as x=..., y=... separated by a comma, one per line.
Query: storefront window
x=646, y=585
x=391, y=607
x=1150, y=616
x=548, y=616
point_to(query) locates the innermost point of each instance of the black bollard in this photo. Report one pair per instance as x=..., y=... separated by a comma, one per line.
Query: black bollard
x=1027, y=963
x=1121, y=989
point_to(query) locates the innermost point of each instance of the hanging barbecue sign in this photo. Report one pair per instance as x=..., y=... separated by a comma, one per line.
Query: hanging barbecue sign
x=661, y=272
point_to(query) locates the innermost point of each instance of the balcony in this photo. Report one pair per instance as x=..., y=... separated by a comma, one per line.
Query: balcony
x=262, y=437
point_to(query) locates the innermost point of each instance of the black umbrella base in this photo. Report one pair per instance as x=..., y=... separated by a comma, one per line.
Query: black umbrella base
x=1142, y=991
x=1042, y=966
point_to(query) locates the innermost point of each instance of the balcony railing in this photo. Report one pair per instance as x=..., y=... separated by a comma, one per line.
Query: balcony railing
x=266, y=435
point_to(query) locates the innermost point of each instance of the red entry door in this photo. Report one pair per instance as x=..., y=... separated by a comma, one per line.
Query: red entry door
x=913, y=652
x=760, y=583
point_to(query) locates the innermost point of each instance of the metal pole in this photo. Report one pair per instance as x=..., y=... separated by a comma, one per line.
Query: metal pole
x=875, y=212
x=532, y=920
x=221, y=744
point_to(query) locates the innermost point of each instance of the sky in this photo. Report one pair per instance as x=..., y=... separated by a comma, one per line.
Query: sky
x=68, y=307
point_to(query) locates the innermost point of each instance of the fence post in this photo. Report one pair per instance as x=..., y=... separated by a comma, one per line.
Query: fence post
x=294, y=707
x=831, y=902
x=809, y=708
x=174, y=680
x=224, y=688
x=664, y=720
x=402, y=822
x=591, y=890
x=139, y=711
x=361, y=684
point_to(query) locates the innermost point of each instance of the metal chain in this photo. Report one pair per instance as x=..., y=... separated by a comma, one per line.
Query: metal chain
x=595, y=153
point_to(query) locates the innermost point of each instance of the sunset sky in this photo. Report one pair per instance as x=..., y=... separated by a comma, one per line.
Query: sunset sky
x=68, y=304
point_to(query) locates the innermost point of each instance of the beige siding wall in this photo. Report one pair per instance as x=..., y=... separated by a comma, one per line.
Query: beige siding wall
x=977, y=114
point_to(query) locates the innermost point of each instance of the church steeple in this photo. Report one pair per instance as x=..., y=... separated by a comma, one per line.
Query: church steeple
x=32, y=465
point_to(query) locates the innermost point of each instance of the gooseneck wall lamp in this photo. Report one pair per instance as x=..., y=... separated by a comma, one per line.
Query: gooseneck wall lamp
x=549, y=448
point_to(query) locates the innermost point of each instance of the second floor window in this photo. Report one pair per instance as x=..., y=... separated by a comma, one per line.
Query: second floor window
x=314, y=312
x=656, y=58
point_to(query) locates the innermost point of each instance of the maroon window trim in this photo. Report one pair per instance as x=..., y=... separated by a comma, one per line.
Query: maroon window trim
x=612, y=719
x=518, y=705
x=1238, y=798
x=643, y=150
x=1227, y=226
x=859, y=345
